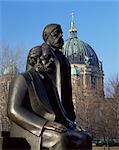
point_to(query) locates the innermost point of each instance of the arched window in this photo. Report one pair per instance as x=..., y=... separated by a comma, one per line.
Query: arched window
x=93, y=81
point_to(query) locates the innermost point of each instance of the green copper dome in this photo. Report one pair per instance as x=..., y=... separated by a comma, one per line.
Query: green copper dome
x=77, y=51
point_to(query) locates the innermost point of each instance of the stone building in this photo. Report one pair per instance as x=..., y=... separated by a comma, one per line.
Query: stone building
x=5, y=79
x=87, y=78
x=86, y=68
x=93, y=111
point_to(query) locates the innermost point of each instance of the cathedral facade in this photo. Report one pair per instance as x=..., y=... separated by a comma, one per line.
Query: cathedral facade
x=94, y=111
x=87, y=80
x=86, y=68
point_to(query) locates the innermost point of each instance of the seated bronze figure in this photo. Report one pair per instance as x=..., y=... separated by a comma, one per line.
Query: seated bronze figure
x=36, y=110
x=35, y=103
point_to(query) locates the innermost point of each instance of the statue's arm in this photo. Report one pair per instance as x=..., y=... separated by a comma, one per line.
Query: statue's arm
x=70, y=108
x=18, y=113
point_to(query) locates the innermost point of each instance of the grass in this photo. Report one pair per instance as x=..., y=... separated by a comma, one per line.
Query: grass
x=102, y=148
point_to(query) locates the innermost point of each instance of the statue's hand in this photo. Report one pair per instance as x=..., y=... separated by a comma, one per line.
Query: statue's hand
x=55, y=126
x=79, y=128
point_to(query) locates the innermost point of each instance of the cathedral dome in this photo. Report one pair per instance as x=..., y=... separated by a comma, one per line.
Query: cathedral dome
x=77, y=51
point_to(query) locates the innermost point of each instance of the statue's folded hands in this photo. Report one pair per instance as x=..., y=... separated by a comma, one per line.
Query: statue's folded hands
x=51, y=125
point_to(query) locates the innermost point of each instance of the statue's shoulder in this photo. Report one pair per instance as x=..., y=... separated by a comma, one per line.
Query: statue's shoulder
x=32, y=75
x=25, y=75
x=28, y=76
x=61, y=53
x=19, y=81
x=64, y=57
x=22, y=78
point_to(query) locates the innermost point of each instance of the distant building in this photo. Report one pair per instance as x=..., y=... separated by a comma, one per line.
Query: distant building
x=87, y=78
x=86, y=68
x=5, y=79
x=93, y=111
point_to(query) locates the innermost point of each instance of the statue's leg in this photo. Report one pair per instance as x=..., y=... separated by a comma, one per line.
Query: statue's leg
x=33, y=140
x=53, y=140
x=69, y=140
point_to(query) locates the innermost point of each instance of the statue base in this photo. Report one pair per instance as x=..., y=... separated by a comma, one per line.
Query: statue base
x=13, y=143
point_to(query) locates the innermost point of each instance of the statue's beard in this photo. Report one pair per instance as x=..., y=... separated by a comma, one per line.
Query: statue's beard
x=47, y=68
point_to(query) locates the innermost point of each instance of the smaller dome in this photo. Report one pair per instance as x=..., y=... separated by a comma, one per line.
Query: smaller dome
x=75, y=71
x=11, y=69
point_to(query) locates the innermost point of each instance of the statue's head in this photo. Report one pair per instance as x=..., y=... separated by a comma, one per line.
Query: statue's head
x=41, y=59
x=53, y=36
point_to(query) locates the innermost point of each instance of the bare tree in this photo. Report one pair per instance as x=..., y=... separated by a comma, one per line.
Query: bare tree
x=112, y=86
x=96, y=113
x=109, y=111
x=87, y=107
x=10, y=63
x=10, y=57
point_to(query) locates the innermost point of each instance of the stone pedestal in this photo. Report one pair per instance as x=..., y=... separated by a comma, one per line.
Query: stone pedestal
x=13, y=143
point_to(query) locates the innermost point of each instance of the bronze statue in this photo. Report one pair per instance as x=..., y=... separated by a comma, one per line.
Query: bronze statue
x=36, y=110
x=53, y=37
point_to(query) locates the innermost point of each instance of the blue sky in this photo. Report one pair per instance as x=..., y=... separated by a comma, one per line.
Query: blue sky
x=97, y=23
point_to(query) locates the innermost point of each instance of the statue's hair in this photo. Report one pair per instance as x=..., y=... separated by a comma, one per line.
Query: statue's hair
x=48, y=30
x=32, y=56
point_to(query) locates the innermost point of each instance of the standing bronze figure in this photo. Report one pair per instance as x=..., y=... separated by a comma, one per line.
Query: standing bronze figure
x=35, y=104
x=53, y=38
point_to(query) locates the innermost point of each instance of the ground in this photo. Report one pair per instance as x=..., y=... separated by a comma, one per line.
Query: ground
x=102, y=148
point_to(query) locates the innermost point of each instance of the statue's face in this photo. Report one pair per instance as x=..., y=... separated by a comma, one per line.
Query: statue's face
x=46, y=63
x=55, y=39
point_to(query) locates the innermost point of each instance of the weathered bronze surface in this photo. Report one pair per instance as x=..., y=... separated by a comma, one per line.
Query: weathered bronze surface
x=40, y=100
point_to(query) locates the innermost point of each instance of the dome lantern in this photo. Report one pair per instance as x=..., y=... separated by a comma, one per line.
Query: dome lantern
x=73, y=31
